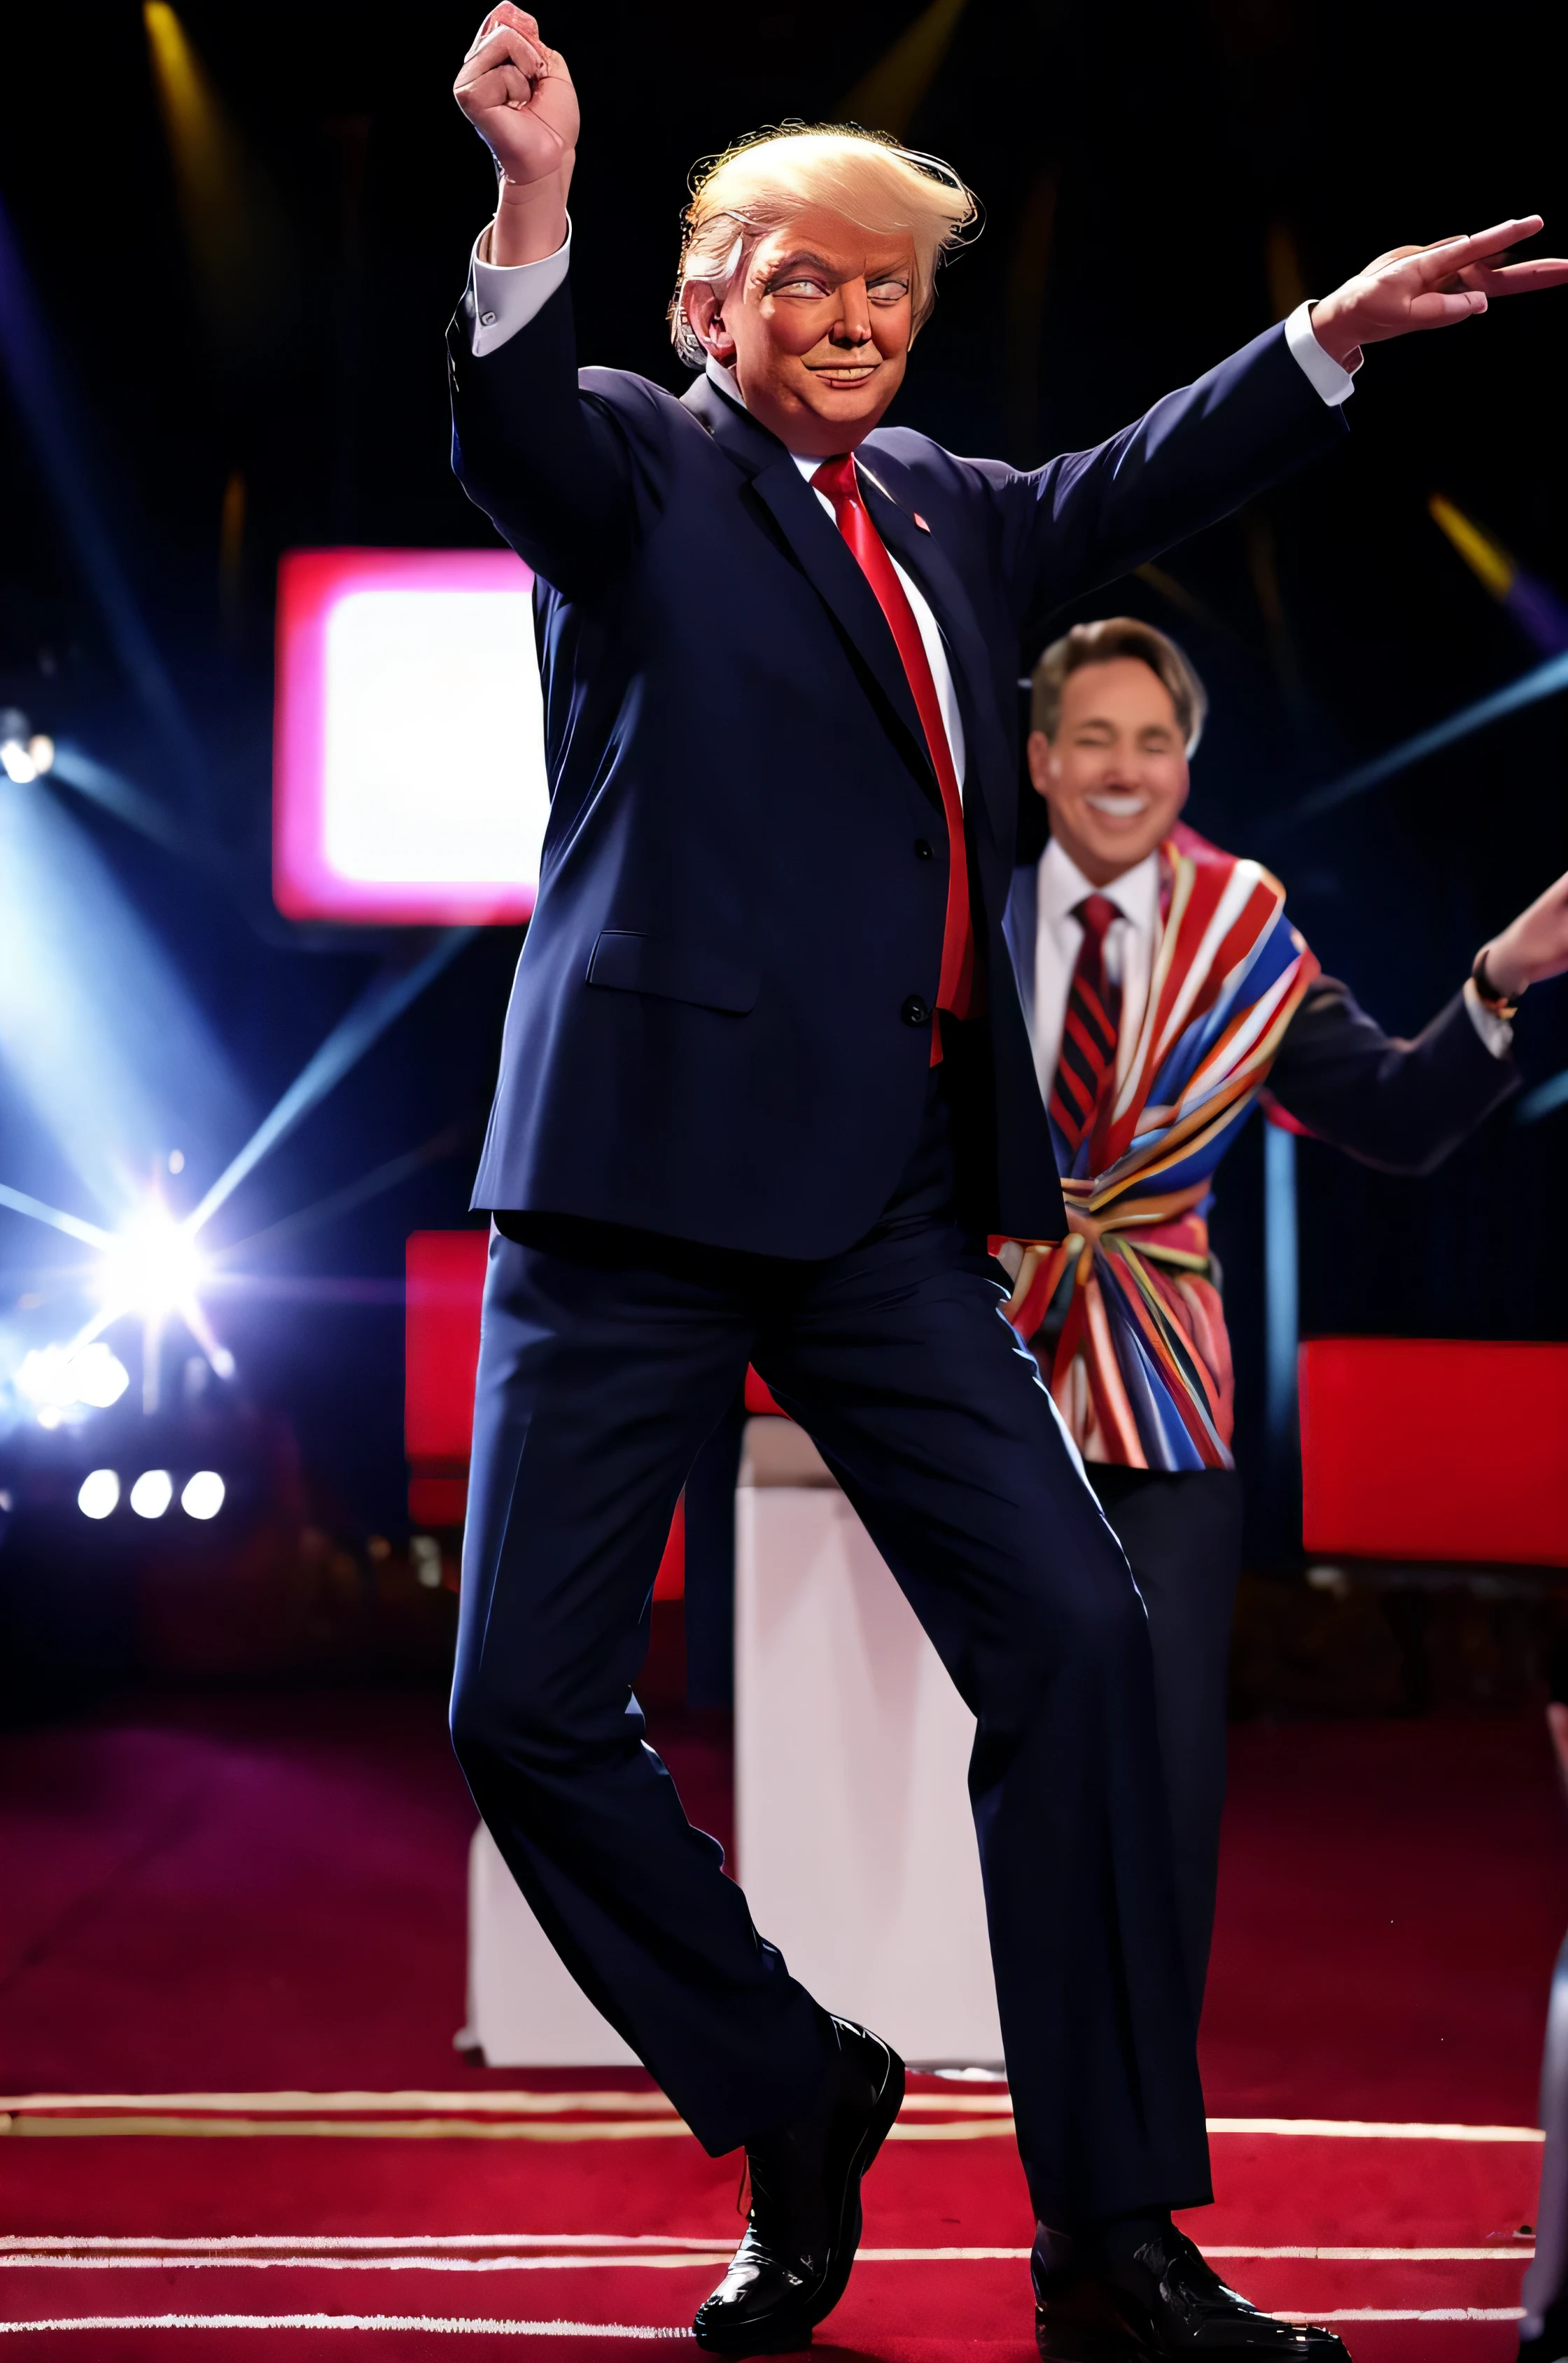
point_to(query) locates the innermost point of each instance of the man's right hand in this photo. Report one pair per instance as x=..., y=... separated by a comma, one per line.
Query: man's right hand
x=519, y=96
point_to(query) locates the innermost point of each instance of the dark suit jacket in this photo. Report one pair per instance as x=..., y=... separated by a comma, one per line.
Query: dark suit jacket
x=1400, y=1106
x=716, y=1028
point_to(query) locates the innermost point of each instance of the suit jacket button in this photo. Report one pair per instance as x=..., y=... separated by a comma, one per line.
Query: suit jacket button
x=915, y=1011
x=923, y=849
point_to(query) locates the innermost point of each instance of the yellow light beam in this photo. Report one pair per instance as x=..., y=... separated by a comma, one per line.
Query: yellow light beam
x=1484, y=556
x=229, y=216
x=886, y=99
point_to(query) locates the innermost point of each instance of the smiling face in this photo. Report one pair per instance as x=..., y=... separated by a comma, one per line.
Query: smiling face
x=1115, y=777
x=817, y=328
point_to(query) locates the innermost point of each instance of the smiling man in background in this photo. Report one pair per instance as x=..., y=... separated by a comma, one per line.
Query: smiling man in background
x=1165, y=989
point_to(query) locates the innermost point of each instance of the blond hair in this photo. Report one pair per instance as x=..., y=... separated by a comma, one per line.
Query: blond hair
x=865, y=176
x=1102, y=643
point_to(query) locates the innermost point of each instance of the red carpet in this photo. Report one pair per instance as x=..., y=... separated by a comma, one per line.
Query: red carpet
x=265, y=1899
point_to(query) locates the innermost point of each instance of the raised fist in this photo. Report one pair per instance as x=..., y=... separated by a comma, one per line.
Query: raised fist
x=519, y=96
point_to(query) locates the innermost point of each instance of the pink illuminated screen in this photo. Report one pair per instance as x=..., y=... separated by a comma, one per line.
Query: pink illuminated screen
x=408, y=778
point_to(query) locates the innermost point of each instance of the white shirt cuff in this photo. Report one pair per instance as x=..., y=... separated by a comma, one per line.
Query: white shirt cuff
x=499, y=301
x=1323, y=372
x=1495, y=1031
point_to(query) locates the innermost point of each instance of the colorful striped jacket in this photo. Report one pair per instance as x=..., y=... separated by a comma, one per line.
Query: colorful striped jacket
x=1142, y=1365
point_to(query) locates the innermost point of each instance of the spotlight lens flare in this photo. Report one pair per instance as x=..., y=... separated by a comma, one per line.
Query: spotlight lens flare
x=152, y=1492
x=153, y=1266
x=100, y=1494
x=55, y=1380
x=203, y=1496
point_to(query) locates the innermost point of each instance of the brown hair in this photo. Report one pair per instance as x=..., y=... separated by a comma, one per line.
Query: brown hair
x=867, y=177
x=1102, y=643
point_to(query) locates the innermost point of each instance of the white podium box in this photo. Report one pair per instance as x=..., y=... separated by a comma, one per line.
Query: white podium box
x=853, y=1832
x=524, y=2011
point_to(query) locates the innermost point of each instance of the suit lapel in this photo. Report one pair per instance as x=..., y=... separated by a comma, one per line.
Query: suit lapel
x=921, y=554
x=818, y=549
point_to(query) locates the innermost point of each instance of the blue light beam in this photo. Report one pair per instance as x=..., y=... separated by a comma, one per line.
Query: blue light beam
x=98, y=1030
x=72, y=1225
x=59, y=444
x=113, y=792
x=384, y=999
x=1547, y=680
x=1543, y=1100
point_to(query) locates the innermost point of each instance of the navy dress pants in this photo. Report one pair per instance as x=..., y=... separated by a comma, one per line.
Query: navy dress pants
x=1182, y=1533
x=608, y=1357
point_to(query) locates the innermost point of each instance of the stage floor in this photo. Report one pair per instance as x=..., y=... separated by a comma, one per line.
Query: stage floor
x=232, y=1968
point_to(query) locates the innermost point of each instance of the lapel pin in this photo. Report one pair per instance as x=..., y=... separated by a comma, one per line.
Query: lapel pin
x=919, y=521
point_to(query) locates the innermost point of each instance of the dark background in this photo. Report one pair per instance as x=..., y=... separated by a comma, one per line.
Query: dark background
x=1159, y=182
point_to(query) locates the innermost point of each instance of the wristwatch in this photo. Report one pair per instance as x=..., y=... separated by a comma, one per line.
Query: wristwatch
x=1486, y=992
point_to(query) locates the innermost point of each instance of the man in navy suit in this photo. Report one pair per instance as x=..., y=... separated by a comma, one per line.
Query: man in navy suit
x=765, y=1088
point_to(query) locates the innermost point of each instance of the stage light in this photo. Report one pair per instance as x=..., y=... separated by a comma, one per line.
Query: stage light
x=100, y=1494
x=55, y=1379
x=203, y=1496
x=409, y=777
x=25, y=753
x=152, y=1492
x=153, y=1266
x=100, y=1377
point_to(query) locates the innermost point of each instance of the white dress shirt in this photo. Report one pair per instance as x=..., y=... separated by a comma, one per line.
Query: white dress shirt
x=920, y=607
x=1060, y=886
x=1129, y=946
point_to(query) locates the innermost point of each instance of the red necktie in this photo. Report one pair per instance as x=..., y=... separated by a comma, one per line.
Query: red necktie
x=836, y=478
x=1087, y=1060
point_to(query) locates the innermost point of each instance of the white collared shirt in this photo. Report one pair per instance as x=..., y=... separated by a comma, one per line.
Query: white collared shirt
x=919, y=606
x=1128, y=953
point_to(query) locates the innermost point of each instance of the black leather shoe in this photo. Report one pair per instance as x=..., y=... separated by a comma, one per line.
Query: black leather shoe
x=1551, y=2346
x=1165, y=2301
x=804, y=2223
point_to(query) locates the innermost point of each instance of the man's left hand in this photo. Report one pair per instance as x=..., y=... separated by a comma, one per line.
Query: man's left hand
x=1414, y=287
x=1534, y=946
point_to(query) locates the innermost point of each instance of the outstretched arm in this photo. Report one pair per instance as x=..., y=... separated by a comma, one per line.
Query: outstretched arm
x=1403, y=1107
x=1202, y=451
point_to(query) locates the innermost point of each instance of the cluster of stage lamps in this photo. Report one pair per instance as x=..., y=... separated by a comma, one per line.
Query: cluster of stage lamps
x=200, y=1497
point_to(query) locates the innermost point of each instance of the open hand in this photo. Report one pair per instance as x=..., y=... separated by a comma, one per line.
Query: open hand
x=1414, y=287
x=1532, y=947
x=518, y=94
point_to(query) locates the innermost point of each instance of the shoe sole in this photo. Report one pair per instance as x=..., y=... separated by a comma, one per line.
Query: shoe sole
x=1075, y=2342
x=1082, y=2342
x=792, y=2334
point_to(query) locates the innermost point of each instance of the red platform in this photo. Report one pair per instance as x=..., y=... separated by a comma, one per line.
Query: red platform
x=1435, y=1449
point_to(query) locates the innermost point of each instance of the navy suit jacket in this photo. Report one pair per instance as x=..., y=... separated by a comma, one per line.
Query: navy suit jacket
x=715, y=1028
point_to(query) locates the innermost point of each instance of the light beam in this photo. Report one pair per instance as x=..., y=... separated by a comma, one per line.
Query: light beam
x=384, y=999
x=1547, y=680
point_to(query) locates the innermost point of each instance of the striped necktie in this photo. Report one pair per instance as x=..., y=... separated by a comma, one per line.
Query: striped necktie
x=836, y=478
x=1086, y=1067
